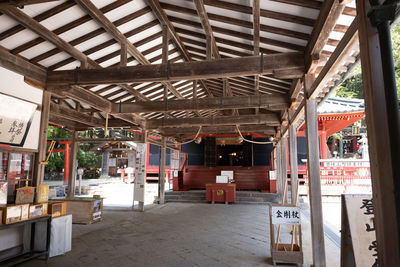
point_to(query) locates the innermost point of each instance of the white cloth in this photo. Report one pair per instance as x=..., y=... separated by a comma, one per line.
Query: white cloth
x=61, y=235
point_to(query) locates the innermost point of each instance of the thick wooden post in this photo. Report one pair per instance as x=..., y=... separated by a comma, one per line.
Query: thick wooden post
x=283, y=165
x=380, y=150
x=41, y=155
x=104, y=163
x=161, y=175
x=313, y=169
x=293, y=162
x=279, y=183
x=72, y=165
x=143, y=140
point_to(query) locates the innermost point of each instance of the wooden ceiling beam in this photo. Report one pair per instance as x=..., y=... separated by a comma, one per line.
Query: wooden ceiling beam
x=73, y=115
x=270, y=102
x=22, y=66
x=267, y=119
x=217, y=129
x=326, y=21
x=275, y=64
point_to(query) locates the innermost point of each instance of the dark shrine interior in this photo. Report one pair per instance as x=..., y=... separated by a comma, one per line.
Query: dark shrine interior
x=230, y=155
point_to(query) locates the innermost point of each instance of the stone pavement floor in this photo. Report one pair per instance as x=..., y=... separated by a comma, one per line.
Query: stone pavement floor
x=180, y=234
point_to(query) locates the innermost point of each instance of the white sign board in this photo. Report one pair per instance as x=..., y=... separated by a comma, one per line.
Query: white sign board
x=112, y=162
x=229, y=174
x=272, y=175
x=285, y=215
x=140, y=172
x=358, y=234
x=15, y=120
x=222, y=179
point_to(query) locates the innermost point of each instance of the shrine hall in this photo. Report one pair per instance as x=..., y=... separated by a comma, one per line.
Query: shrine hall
x=211, y=114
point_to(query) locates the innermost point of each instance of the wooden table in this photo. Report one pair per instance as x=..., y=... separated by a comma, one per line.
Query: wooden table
x=221, y=193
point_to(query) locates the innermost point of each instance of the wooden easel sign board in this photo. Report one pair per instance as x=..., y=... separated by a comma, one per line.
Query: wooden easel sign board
x=286, y=244
x=358, y=239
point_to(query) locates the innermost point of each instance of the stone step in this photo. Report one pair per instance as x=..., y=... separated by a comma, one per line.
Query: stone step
x=242, y=197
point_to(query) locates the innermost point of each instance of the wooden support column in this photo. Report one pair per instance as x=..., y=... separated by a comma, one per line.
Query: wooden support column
x=143, y=140
x=41, y=155
x=256, y=43
x=279, y=183
x=161, y=175
x=293, y=162
x=72, y=164
x=283, y=164
x=313, y=169
x=165, y=60
x=385, y=192
x=104, y=163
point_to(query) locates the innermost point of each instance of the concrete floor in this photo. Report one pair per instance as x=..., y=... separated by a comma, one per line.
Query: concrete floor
x=179, y=234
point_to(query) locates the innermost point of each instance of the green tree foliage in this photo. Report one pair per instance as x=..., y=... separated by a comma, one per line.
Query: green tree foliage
x=352, y=87
x=86, y=159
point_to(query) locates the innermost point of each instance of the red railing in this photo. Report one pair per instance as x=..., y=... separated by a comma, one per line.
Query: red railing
x=343, y=176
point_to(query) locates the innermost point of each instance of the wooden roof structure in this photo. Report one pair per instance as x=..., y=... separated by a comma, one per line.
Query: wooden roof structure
x=172, y=66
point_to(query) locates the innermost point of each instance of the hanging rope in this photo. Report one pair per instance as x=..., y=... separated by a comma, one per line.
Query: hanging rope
x=194, y=139
x=251, y=141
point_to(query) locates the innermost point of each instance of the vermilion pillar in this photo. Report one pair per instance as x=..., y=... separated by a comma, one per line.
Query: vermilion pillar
x=322, y=142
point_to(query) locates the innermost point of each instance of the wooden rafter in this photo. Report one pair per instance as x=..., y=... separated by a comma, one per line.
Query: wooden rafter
x=93, y=11
x=162, y=17
x=327, y=18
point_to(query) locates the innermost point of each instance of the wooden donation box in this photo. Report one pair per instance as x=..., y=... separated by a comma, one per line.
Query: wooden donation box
x=85, y=210
x=286, y=242
x=221, y=193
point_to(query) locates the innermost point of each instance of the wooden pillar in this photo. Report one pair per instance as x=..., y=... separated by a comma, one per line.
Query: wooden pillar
x=161, y=176
x=278, y=169
x=293, y=162
x=72, y=165
x=384, y=189
x=104, y=163
x=313, y=169
x=143, y=140
x=41, y=155
x=283, y=164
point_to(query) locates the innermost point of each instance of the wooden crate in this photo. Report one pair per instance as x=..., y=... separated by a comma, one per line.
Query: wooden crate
x=37, y=210
x=57, y=209
x=85, y=210
x=11, y=214
x=42, y=193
